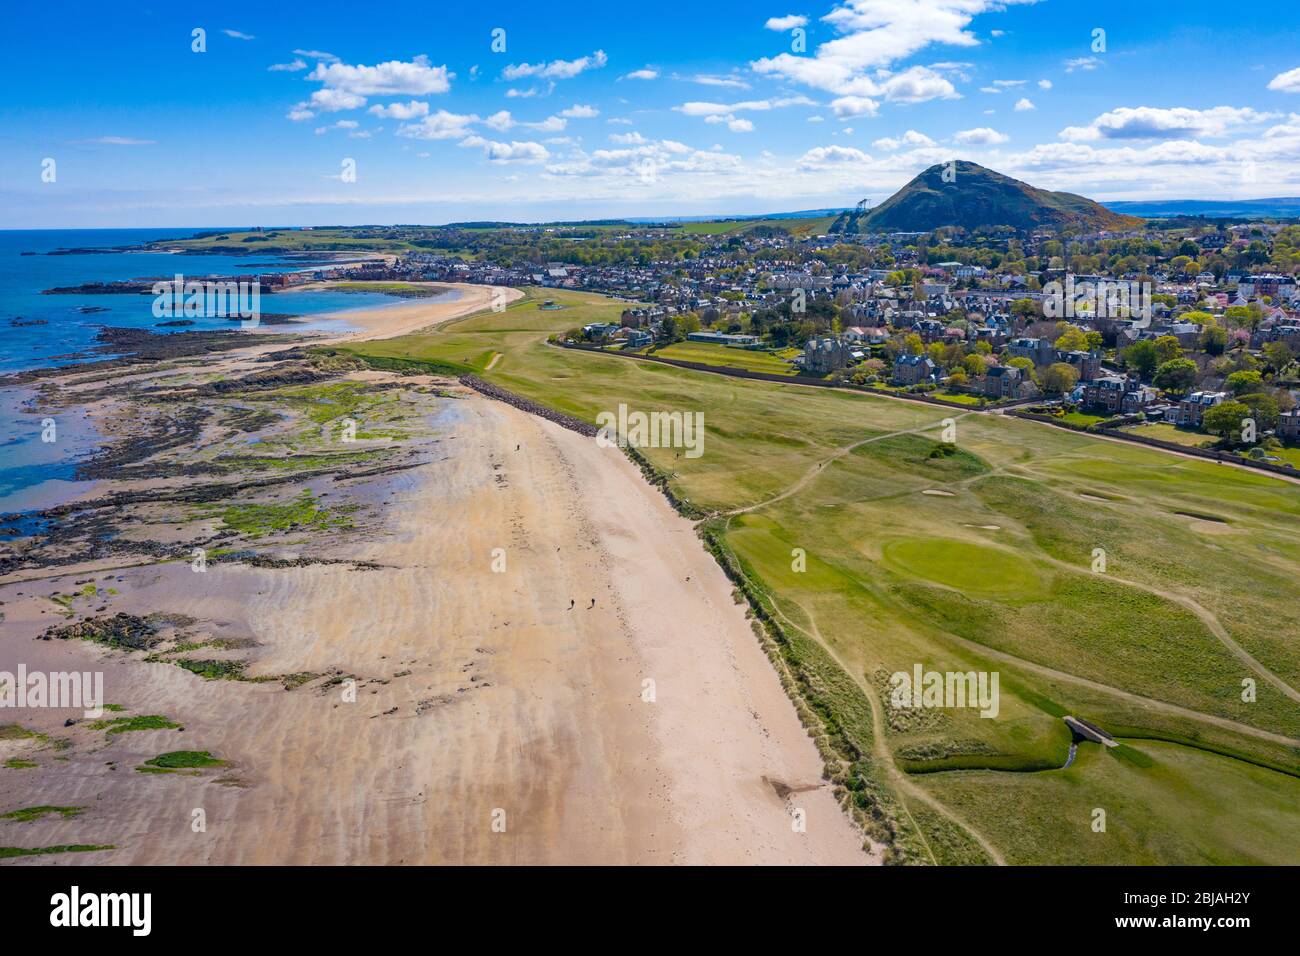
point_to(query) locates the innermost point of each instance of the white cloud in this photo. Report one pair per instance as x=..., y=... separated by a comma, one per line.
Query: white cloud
x=1044, y=84
x=1084, y=63
x=439, y=125
x=627, y=139
x=917, y=84
x=401, y=111
x=341, y=124
x=1007, y=84
x=820, y=157
x=788, y=22
x=1288, y=82
x=646, y=163
x=1149, y=122
x=577, y=111
x=740, y=126
x=875, y=34
x=981, y=136
x=512, y=152
x=910, y=138
x=702, y=108
x=1024, y=104
x=235, y=34
x=320, y=55
x=556, y=69
x=117, y=141
x=500, y=121
x=300, y=112
x=645, y=73
x=331, y=100
x=848, y=106
x=552, y=124
x=393, y=78
x=709, y=79
x=291, y=67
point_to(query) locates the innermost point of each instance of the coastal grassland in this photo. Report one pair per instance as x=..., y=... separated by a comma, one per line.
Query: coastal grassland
x=10, y=852
x=288, y=240
x=181, y=761
x=807, y=226
x=708, y=353
x=873, y=544
x=404, y=289
x=1163, y=431
x=1164, y=804
x=304, y=511
x=28, y=814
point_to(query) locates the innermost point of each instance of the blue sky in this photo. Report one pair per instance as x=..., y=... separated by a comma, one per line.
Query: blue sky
x=617, y=109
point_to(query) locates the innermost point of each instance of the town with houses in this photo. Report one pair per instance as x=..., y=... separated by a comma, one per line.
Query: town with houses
x=1209, y=317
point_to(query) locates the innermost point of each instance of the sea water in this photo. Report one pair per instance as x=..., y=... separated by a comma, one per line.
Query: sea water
x=38, y=331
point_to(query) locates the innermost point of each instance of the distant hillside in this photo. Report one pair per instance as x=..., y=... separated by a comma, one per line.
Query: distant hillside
x=981, y=197
x=1282, y=207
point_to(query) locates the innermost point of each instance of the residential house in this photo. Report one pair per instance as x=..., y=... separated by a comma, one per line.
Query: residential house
x=914, y=370
x=1191, y=410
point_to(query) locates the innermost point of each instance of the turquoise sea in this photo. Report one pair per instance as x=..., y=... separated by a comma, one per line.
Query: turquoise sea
x=38, y=330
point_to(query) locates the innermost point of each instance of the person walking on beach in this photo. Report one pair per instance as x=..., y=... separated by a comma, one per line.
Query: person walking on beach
x=571, y=603
x=593, y=604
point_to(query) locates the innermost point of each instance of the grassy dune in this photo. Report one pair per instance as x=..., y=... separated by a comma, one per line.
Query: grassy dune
x=979, y=557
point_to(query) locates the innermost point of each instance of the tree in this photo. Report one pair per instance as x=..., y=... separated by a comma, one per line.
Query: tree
x=974, y=365
x=1167, y=349
x=913, y=344
x=1247, y=380
x=1177, y=375
x=1072, y=339
x=1263, y=408
x=1225, y=419
x=1025, y=365
x=1214, y=340
x=1025, y=308
x=1059, y=378
x=1278, y=354
x=1142, y=356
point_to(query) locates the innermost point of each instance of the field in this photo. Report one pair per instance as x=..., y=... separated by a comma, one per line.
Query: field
x=816, y=226
x=1083, y=419
x=707, y=353
x=1108, y=581
x=1163, y=431
x=289, y=240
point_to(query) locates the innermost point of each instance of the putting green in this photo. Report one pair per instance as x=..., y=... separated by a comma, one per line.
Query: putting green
x=971, y=568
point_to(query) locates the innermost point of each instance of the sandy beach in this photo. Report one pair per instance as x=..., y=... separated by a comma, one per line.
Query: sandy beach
x=420, y=314
x=523, y=655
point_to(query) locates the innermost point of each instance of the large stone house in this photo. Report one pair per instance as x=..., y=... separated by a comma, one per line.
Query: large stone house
x=1191, y=410
x=914, y=370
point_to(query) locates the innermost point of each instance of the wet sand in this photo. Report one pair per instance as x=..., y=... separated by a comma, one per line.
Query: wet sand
x=491, y=723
